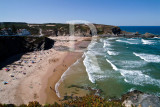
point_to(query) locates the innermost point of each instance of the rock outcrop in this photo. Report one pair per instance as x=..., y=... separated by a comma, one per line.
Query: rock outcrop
x=138, y=98
x=12, y=45
x=59, y=29
x=80, y=29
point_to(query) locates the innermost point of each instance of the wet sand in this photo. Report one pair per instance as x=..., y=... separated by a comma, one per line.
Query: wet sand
x=67, y=61
x=34, y=75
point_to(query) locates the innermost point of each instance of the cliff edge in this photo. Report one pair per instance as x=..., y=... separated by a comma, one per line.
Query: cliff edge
x=12, y=45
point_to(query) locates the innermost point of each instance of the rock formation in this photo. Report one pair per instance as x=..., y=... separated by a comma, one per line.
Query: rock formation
x=12, y=45
x=137, y=98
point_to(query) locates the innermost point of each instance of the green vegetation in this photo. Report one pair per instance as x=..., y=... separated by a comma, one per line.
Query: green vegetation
x=56, y=29
x=92, y=100
x=86, y=101
x=19, y=25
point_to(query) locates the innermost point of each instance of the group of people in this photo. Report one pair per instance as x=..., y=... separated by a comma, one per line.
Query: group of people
x=25, y=64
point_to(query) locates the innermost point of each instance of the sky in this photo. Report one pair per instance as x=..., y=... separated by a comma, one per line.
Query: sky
x=110, y=12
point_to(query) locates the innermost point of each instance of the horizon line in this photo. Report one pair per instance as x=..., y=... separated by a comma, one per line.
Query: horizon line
x=67, y=23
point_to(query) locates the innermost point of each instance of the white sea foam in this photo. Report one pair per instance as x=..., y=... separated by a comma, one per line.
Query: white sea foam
x=156, y=37
x=132, y=89
x=112, y=53
x=131, y=64
x=62, y=79
x=95, y=52
x=101, y=40
x=129, y=42
x=113, y=66
x=91, y=45
x=59, y=82
x=92, y=67
x=148, y=57
x=132, y=39
x=138, y=78
x=112, y=38
x=91, y=64
x=87, y=63
x=148, y=42
x=106, y=44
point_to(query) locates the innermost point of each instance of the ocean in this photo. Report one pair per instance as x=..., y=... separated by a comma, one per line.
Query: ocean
x=142, y=29
x=115, y=66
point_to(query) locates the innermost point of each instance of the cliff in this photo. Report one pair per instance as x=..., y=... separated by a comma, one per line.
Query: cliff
x=12, y=45
x=59, y=29
x=80, y=29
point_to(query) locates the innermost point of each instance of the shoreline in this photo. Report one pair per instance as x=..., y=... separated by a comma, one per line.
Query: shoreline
x=26, y=79
x=69, y=59
x=60, y=81
x=55, y=77
x=39, y=82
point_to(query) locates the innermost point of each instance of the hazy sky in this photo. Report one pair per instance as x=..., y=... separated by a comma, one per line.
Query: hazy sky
x=111, y=12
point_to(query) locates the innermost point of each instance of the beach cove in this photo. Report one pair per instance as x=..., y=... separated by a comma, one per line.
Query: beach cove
x=33, y=77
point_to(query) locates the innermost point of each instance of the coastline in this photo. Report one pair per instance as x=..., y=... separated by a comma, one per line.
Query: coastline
x=30, y=77
x=39, y=82
x=68, y=59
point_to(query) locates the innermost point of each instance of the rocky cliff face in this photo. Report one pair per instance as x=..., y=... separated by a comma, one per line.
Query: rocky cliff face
x=12, y=45
x=80, y=29
x=59, y=29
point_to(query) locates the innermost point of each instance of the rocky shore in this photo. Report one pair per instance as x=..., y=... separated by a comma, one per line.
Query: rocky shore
x=54, y=65
x=138, y=98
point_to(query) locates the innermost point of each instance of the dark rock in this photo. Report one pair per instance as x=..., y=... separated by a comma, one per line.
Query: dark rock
x=116, y=30
x=12, y=45
x=137, y=98
x=149, y=35
x=80, y=30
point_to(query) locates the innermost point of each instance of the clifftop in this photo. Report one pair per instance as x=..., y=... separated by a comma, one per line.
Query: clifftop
x=58, y=29
x=80, y=29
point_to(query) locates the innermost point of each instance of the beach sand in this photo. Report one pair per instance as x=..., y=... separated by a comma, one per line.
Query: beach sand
x=33, y=77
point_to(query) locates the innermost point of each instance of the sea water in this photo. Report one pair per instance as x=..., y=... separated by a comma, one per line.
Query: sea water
x=142, y=29
x=117, y=66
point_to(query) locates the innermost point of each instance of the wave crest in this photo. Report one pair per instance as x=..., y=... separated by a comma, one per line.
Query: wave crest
x=148, y=42
x=148, y=57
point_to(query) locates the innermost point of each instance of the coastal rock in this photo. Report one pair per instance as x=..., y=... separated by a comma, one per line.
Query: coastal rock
x=148, y=35
x=60, y=29
x=137, y=98
x=12, y=45
x=80, y=29
x=116, y=30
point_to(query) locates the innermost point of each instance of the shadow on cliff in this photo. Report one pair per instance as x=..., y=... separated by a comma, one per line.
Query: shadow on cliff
x=13, y=47
x=10, y=60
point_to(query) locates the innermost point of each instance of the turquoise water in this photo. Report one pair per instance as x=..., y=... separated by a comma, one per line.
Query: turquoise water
x=142, y=29
x=117, y=66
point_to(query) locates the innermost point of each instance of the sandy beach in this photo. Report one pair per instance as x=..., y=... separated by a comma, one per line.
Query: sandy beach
x=34, y=75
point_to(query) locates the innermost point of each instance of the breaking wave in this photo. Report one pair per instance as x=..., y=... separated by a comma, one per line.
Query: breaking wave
x=138, y=78
x=113, y=66
x=129, y=42
x=92, y=68
x=148, y=42
x=132, y=64
x=148, y=57
x=112, y=53
x=106, y=45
